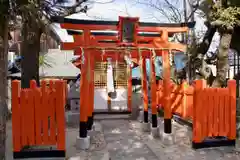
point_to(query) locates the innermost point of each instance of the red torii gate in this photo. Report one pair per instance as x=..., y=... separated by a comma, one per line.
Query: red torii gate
x=134, y=39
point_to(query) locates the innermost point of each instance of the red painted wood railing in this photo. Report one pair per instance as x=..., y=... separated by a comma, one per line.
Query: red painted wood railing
x=38, y=115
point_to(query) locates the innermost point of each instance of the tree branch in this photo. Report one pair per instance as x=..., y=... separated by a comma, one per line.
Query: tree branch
x=161, y=10
x=175, y=10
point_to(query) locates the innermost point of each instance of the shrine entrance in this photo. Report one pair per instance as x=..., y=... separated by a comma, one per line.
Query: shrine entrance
x=110, y=96
x=107, y=51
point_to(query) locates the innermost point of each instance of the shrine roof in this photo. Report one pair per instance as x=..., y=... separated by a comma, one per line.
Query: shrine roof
x=103, y=22
x=61, y=65
x=112, y=33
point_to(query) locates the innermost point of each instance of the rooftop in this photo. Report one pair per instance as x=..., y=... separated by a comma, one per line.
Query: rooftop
x=61, y=65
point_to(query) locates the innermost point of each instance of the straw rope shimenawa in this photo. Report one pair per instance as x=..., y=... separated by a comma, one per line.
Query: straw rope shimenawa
x=89, y=69
x=103, y=53
x=119, y=50
x=153, y=57
x=127, y=52
x=116, y=66
x=88, y=65
x=140, y=62
x=123, y=48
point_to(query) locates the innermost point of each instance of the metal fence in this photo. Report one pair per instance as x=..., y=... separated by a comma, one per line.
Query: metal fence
x=234, y=66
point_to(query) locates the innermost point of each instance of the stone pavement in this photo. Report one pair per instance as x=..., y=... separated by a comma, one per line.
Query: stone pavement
x=124, y=140
x=123, y=143
x=181, y=149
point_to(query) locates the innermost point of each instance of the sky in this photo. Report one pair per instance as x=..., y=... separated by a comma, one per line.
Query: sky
x=103, y=10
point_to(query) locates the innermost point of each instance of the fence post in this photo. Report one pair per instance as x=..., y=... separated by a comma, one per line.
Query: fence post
x=38, y=114
x=44, y=108
x=16, y=132
x=197, y=107
x=32, y=106
x=52, y=110
x=60, y=114
x=232, y=97
x=184, y=99
x=24, y=115
x=30, y=111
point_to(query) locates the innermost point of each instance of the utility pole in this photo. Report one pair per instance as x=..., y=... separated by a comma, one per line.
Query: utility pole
x=193, y=41
x=184, y=36
x=189, y=7
x=185, y=19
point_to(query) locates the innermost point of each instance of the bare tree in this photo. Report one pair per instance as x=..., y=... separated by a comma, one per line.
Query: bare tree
x=221, y=16
x=175, y=11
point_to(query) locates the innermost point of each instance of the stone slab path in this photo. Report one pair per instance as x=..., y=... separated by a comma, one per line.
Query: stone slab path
x=181, y=149
x=123, y=143
x=124, y=140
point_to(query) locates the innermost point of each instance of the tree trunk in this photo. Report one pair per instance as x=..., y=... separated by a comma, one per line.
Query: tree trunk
x=222, y=59
x=30, y=48
x=3, y=87
x=198, y=52
x=207, y=39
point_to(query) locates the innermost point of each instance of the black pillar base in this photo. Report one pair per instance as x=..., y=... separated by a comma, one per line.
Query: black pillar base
x=145, y=117
x=167, y=126
x=154, y=121
x=213, y=143
x=90, y=123
x=39, y=154
x=83, y=129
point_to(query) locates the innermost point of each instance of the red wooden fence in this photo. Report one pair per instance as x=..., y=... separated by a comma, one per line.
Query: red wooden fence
x=181, y=99
x=38, y=115
x=212, y=110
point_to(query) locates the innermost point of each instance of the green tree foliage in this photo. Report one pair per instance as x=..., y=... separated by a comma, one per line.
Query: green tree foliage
x=223, y=17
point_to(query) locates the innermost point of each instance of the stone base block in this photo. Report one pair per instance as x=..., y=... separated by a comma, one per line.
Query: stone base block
x=146, y=127
x=135, y=112
x=72, y=117
x=91, y=133
x=140, y=117
x=75, y=158
x=97, y=127
x=155, y=132
x=83, y=143
x=189, y=134
x=44, y=158
x=237, y=146
x=183, y=132
x=167, y=139
x=160, y=121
